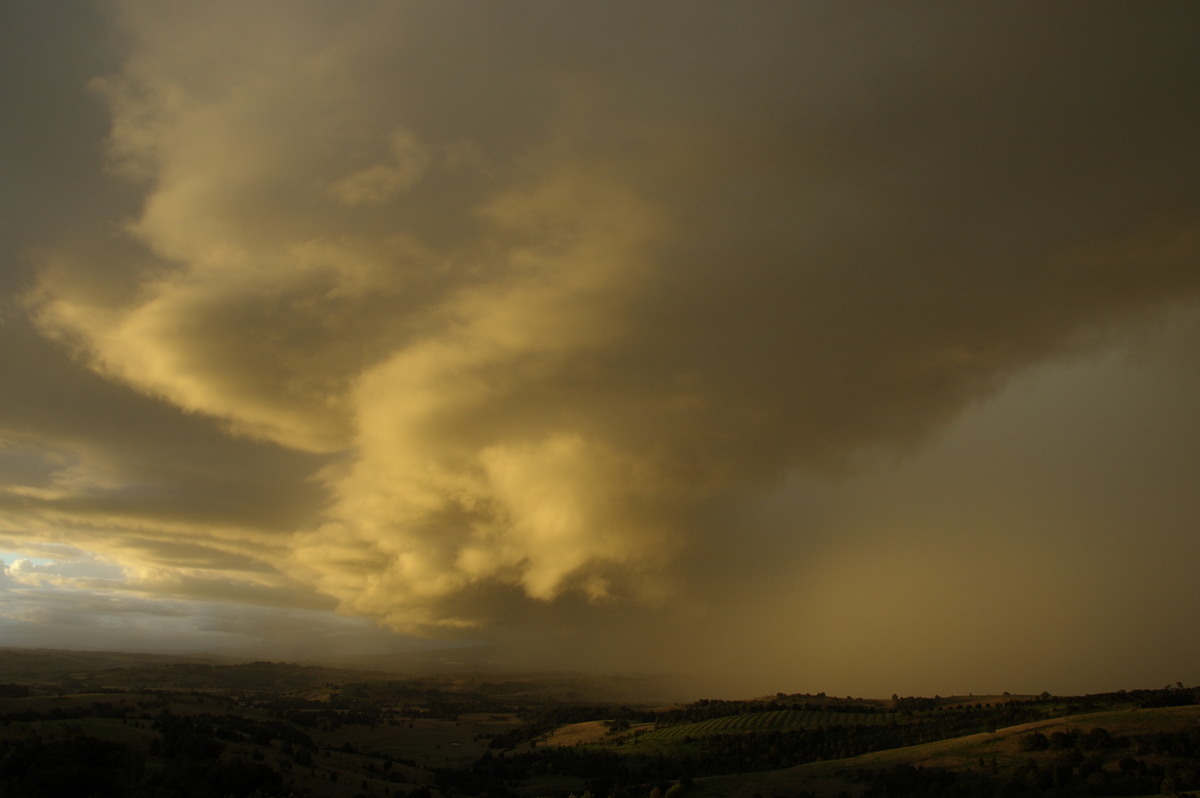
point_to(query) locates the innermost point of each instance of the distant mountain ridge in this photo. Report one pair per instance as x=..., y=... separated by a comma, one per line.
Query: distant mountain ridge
x=75, y=671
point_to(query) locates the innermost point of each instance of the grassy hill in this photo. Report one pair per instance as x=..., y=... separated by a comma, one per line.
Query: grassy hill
x=169, y=727
x=1006, y=760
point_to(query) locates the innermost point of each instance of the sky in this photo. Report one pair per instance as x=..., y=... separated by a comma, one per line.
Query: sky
x=826, y=346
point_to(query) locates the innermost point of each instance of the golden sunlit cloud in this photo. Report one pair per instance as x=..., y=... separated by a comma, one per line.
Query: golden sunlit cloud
x=536, y=306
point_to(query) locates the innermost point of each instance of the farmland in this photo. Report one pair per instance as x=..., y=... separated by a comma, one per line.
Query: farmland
x=162, y=728
x=777, y=720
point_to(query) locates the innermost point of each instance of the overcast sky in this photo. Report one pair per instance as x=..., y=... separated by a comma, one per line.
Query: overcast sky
x=817, y=346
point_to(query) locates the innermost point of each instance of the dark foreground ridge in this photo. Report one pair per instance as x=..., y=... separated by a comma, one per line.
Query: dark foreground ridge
x=109, y=725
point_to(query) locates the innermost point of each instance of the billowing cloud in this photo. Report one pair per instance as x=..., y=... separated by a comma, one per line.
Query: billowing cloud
x=547, y=300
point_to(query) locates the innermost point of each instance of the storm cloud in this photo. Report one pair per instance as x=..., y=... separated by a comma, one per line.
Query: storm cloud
x=471, y=316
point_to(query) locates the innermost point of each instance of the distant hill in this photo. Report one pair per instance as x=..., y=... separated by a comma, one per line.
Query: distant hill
x=124, y=670
x=81, y=670
x=172, y=726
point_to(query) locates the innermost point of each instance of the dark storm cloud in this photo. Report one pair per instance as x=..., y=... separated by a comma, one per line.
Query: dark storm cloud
x=547, y=297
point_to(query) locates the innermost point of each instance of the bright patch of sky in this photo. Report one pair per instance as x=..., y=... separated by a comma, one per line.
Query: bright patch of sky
x=10, y=557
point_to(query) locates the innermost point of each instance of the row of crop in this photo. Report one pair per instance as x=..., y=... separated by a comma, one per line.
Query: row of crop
x=780, y=720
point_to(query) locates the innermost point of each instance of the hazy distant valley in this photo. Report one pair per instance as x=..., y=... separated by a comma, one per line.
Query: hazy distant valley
x=112, y=724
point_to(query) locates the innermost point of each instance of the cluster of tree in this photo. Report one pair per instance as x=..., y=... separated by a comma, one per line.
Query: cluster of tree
x=1092, y=740
x=706, y=709
x=1073, y=763
x=1184, y=744
x=213, y=779
x=1088, y=778
x=1164, y=743
x=915, y=703
x=85, y=766
x=773, y=750
x=604, y=773
x=69, y=712
x=1169, y=696
x=37, y=768
x=228, y=727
